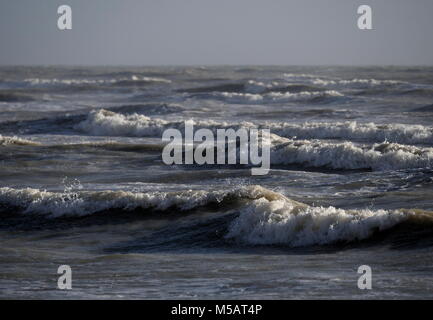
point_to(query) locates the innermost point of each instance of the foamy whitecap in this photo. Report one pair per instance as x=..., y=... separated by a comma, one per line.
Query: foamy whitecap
x=82, y=203
x=284, y=222
x=371, y=132
x=5, y=140
x=107, y=123
x=347, y=155
x=103, y=122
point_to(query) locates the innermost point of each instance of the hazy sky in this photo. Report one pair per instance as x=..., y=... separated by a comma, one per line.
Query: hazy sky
x=175, y=32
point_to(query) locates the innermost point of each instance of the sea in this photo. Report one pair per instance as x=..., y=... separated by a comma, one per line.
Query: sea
x=83, y=183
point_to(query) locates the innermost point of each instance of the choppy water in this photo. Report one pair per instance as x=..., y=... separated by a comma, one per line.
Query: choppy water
x=82, y=183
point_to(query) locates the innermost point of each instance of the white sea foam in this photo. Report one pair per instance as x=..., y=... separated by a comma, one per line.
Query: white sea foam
x=82, y=203
x=284, y=222
x=371, y=132
x=107, y=123
x=103, y=122
x=347, y=155
x=5, y=140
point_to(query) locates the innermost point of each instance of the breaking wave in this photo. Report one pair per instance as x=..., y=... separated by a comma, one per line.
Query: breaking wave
x=285, y=222
x=103, y=122
x=348, y=156
x=82, y=203
x=264, y=217
x=107, y=123
x=371, y=132
x=4, y=141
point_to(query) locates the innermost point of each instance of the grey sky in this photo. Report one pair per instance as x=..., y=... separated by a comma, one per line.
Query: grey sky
x=175, y=32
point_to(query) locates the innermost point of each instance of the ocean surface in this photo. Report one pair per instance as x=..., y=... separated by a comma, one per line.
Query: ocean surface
x=82, y=183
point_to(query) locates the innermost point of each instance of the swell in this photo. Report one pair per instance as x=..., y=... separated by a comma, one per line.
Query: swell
x=264, y=217
x=428, y=108
x=14, y=96
x=227, y=87
x=419, y=92
x=252, y=86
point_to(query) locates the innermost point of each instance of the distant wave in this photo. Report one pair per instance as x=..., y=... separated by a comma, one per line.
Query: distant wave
x=4, y=140
x=371, y=132
x=253, y=86
x=326, y=81
x=422, y=92
x=107, y=123
x=296, y=87
x=228, y=87
x=103, y=122
x=348, y=156
x=364, y=82
x=147, y=108
x=120, y=81
x=8, y=96
x=246, y=98
x=294, y=76
x=265, y=217
x=428, y=108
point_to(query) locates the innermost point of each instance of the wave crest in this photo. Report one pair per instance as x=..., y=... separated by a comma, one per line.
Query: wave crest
x=103, y=122
x=4, y=141
x=265, y=217
x=401, y=133
x=346, y=155
x=284, y=222
x=82, y=203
